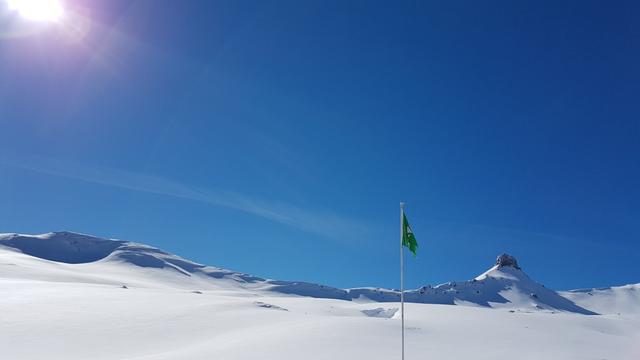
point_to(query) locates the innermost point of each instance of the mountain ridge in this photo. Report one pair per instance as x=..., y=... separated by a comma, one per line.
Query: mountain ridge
x=505, y=285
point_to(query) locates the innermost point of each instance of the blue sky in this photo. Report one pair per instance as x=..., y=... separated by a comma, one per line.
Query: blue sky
x=278, y=138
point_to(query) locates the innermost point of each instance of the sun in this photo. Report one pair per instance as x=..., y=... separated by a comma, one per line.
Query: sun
x=38, y=10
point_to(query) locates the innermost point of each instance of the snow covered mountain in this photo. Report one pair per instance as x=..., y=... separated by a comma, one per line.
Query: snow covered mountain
x=75, y=297
x=612, y=300
x=505, y=285
x=68, y=256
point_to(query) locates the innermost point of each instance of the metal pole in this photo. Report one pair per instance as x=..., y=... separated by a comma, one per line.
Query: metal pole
x=402, y=274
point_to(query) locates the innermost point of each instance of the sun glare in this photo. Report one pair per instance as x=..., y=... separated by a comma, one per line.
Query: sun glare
x=38, y=10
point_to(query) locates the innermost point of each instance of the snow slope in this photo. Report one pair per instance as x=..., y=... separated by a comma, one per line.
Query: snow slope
x=75, y=296
x=65, y=256
x=503, y=286
x=611, y=300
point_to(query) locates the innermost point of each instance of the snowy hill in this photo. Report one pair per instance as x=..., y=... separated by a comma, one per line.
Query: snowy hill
x=505, y=285
x=68, y=256
x=611, y=300
x=71, y=296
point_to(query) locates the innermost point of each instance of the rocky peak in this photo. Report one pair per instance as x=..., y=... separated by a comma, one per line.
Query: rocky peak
x=505, y=260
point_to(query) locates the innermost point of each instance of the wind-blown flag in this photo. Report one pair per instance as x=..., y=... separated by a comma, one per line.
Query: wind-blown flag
x=408, y=239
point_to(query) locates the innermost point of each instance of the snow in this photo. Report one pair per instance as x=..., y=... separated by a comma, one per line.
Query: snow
x=612, y=300
x=172, y=308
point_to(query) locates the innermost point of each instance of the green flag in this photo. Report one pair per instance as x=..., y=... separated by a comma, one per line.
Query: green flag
x=408, y=239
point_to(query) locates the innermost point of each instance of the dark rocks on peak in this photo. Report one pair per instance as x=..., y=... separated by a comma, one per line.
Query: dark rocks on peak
x=507, y=260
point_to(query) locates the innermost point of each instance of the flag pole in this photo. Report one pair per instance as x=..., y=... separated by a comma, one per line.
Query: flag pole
x=402, y=275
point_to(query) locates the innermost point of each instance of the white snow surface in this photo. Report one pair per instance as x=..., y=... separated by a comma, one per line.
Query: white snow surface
x=72, y=296
x=611, y=300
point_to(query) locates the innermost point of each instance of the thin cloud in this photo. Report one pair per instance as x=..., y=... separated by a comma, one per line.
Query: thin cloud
x=321, y=223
